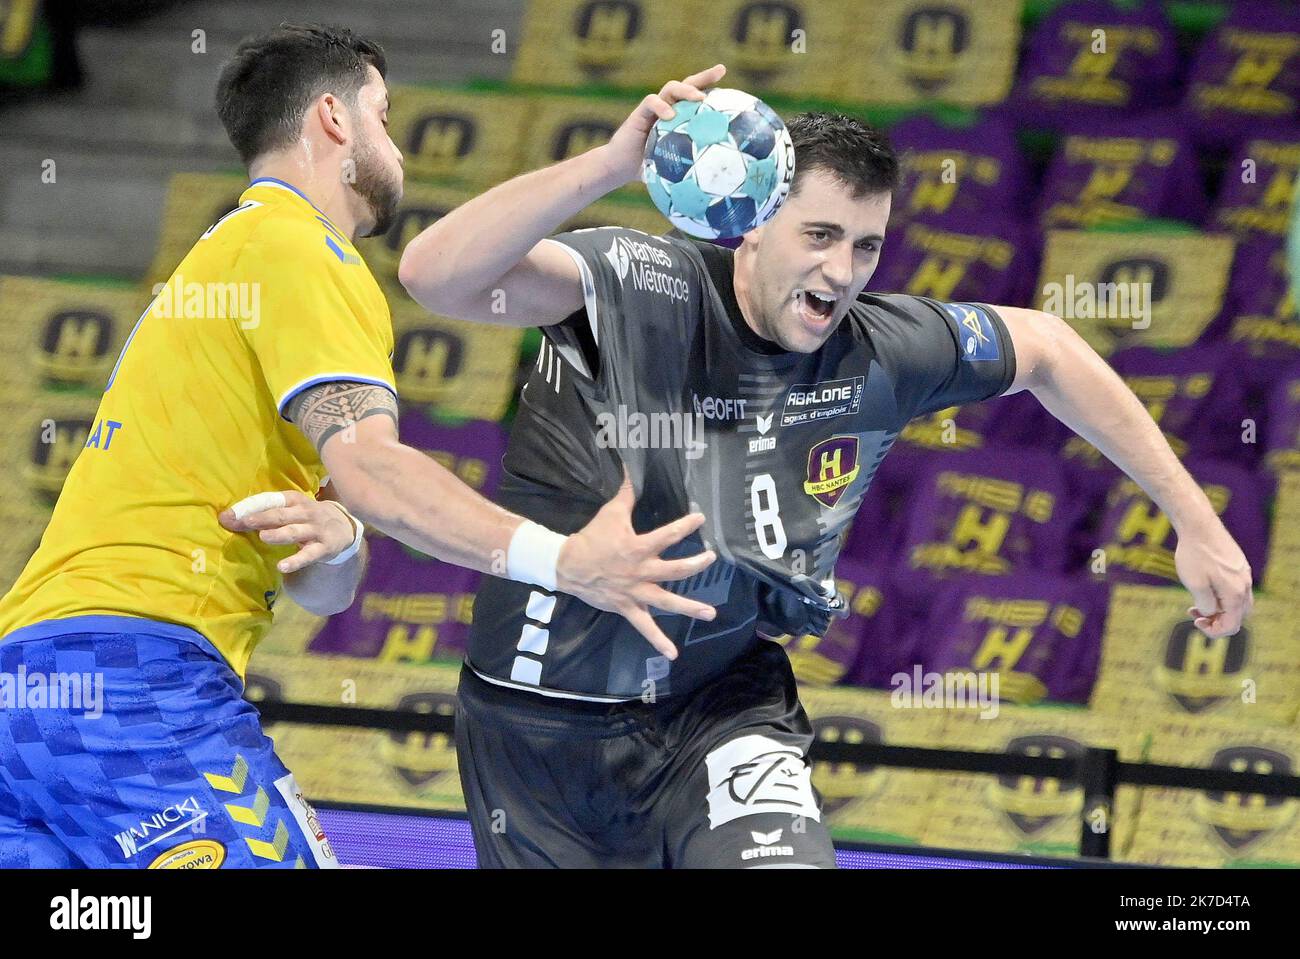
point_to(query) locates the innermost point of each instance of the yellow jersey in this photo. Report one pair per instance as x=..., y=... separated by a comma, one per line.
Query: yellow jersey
x=271, y=300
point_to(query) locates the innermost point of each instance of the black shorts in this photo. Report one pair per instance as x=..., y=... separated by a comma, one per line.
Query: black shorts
x=717, y=780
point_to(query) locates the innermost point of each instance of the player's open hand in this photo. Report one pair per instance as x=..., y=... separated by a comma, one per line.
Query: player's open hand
x=318, y=526
x=608, y=565
x=626, y=148
x=1213, y=567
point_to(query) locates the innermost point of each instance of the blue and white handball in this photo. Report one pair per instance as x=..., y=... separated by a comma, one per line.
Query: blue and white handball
x=721, y=166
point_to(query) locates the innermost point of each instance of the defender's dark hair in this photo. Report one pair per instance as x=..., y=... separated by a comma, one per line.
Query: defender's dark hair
x=853, y=152
x=266, y=88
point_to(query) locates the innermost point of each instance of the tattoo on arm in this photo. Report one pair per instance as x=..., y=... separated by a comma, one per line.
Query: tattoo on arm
x=334, y=407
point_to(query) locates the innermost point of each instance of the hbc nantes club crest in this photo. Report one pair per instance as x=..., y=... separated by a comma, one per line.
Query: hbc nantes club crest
x=832, y=467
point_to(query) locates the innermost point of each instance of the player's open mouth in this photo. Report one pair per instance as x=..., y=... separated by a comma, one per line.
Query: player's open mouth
x=815, y=308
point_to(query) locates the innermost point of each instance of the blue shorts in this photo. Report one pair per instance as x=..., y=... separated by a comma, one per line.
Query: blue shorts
x=126, y=743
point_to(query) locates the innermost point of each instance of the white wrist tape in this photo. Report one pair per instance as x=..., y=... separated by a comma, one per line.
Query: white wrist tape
x=351, y=551
x=533, y=555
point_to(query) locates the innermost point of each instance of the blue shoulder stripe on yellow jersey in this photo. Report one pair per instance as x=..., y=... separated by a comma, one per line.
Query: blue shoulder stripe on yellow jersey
x=329, y=378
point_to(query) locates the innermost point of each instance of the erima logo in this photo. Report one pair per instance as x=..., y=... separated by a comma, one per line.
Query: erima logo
x=171, y=820
x=766, y=846
x=639, y=260
x=762, y=443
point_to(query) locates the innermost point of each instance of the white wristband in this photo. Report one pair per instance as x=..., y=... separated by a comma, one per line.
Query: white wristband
x=533, y=555
x=351, y=551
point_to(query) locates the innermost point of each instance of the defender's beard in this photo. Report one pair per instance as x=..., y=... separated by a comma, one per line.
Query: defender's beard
x=376, y=187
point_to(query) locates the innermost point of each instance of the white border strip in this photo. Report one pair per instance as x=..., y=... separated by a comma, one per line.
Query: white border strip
x=547, y=692
x=328, y=378
x=588, y=285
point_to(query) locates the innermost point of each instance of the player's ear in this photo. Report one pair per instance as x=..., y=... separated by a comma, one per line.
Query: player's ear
x=332, y=115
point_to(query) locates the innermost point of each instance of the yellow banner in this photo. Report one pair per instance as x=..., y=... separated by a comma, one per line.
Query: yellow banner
x=1027, y=813
x=62, y=336
x=914, y=52
x=1282, y=572
x=1184, y=827
x=1134, y=289
x=194, y=202
x=621, y=43
x=1156, y=666
x=341, y=764
x=470, y=139
x=465, y=369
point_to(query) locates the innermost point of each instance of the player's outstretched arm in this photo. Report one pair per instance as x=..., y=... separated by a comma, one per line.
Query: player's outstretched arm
x=412, y=498
x=485, y=261
x=1080, y=389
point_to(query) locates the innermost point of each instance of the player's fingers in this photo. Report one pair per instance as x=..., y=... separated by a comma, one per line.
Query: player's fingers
x=293, y=533
x=1234, y=615
x=241, y=517
x=1214, y=628
x=667, y=602
x=258, y=502
x=657, y=540
x=311, y=553
x=1205, y=600
x=644, y=624
x=675, y=91
x=233, y=516
x=273, y=518
x=706, y=78
x=668, y=570
x=654, y=107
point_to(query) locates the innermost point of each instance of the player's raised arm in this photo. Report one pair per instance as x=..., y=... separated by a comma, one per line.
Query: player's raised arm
x=485, y=260
x=1080, y=389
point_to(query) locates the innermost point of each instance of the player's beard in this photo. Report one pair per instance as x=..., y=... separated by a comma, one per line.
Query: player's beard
x=377, y=187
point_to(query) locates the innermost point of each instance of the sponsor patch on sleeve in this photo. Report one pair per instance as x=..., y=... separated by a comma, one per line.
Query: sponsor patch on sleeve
x=979, y=340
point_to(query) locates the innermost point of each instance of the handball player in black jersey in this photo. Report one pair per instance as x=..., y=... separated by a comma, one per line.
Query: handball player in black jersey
x=762, y=388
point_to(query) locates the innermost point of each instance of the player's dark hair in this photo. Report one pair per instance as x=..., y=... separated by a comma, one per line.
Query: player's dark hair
x=853, y=152
x=272, y=78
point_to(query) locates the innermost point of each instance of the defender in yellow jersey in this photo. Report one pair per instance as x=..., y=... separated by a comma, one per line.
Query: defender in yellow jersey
x=263, y=365
x=190, y=417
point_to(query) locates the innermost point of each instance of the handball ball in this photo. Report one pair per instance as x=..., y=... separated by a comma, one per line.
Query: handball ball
x=721, y=166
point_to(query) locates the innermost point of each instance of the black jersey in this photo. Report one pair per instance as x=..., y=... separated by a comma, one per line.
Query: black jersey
x=660, y=372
